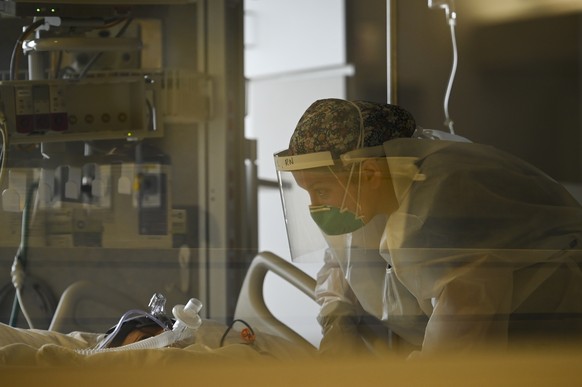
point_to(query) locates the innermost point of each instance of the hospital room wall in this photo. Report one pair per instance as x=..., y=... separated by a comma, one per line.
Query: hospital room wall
x=518, y=83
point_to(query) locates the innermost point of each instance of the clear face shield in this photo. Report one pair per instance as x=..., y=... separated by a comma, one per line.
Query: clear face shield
x=306, y=241
x=322, y=201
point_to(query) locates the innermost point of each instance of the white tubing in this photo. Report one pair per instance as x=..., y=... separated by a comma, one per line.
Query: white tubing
x=164, y=339
x=187, y=322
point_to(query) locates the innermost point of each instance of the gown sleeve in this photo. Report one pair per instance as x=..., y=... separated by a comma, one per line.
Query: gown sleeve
x=477, y=236
x=339, y=313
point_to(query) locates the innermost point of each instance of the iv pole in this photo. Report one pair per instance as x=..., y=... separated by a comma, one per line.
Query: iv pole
x=390, y=51
x=391, y=68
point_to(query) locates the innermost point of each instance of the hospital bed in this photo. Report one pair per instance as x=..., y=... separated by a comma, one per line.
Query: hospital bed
x=273, y=337
x=251, y=306
x=83, y=298
x=280, y=357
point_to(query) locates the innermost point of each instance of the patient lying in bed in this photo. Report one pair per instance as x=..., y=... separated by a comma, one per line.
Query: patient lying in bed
x=25, y=347
x=143, y=336
x=212, y=339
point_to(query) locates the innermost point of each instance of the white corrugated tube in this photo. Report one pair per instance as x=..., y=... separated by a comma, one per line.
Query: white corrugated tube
x=187, y=323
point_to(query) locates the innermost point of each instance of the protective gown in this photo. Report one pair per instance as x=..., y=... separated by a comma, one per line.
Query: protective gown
x=484, y=249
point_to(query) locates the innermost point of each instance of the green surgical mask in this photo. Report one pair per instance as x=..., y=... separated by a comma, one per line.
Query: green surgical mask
x=333, y=221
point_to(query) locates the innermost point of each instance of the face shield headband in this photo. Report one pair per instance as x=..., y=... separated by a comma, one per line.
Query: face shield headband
x=334, y=220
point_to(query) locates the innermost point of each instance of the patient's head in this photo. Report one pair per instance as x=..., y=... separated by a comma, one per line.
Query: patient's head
x=134, y=330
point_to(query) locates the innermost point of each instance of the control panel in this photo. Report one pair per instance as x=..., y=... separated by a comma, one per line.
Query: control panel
x=66, y=110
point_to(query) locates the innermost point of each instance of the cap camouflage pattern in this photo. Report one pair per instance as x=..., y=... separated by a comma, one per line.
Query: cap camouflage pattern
x=334, y=125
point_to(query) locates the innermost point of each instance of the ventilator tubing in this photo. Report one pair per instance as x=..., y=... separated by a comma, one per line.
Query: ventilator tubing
x=187, y=323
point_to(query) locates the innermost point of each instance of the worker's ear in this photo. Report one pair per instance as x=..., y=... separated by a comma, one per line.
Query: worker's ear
x=372, y=172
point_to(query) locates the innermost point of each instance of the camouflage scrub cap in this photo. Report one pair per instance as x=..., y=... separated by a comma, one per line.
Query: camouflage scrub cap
x=334, y=125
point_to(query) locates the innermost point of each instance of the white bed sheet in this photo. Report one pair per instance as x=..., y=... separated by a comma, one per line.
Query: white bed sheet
x=23, y=347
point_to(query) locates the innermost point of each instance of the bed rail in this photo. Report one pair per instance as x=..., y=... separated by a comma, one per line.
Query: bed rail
x=251, y=305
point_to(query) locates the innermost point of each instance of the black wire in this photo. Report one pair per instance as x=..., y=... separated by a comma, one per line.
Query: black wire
x=230, y=327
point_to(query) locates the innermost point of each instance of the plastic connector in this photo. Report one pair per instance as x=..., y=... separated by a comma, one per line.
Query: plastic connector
x=187, y=316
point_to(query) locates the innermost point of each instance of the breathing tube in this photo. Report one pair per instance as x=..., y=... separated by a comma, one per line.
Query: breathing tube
x=187, y=323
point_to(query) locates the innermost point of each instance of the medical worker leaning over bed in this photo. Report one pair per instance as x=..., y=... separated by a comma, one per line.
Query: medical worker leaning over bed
x=452, y=245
